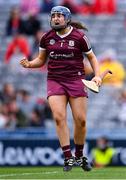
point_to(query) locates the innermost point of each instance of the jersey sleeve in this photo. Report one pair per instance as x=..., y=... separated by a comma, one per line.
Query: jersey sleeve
x=42, y=45
x=85, y=44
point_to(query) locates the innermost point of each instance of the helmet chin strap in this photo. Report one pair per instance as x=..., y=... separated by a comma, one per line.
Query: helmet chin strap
x=58, y=27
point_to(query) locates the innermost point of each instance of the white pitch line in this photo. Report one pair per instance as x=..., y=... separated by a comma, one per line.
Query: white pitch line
x=23, y=174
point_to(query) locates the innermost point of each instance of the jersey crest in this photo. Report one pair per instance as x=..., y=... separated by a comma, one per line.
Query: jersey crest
x=52, y=41
x=71, y=43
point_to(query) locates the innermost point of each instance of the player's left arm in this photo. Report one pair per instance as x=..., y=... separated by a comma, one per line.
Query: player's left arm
x=87, y=49
x=95, y=66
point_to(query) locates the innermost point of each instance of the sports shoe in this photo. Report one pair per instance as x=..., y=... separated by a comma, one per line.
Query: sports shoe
x=68, y=164
x=83, y=163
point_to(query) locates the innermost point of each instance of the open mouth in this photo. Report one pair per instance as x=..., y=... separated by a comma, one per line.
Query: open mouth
x=57, y=23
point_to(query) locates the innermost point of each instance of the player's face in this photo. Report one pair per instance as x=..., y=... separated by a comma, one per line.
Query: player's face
x=58, y=19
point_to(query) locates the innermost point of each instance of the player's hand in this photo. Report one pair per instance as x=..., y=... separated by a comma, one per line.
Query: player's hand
x=97, y=80
x=25, y=63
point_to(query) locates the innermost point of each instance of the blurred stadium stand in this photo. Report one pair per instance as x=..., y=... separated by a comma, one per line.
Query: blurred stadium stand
x=104, y=32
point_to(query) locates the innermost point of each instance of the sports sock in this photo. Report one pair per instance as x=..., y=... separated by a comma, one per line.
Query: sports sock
x=79, y=150
x=67, y=151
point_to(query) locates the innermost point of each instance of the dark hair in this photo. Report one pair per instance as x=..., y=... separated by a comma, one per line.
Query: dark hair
x=78, y=25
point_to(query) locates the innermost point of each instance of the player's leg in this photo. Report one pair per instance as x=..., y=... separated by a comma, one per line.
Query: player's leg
x=79, y=111
x=58, y=105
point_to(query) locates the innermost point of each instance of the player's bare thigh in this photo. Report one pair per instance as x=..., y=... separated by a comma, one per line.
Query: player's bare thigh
x=78, y=107
x=58, y=105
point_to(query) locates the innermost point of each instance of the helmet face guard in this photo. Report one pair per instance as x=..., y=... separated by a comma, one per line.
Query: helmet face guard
x=67, y=16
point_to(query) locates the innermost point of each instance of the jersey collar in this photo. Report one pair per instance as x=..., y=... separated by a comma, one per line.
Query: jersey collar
x=64, y=35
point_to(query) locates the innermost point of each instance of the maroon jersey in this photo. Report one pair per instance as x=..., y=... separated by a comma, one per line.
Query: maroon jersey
x=65, y=53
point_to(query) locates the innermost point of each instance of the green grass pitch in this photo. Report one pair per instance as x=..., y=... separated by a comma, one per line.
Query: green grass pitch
x=57, y=173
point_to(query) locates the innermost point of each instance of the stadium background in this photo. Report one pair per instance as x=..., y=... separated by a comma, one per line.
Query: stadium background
x=38, y=144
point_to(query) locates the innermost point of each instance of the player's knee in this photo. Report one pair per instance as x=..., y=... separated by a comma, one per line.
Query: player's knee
x=59, y=118
x=81, y=122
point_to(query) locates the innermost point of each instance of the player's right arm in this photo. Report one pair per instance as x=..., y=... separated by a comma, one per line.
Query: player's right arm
x=35, y=63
